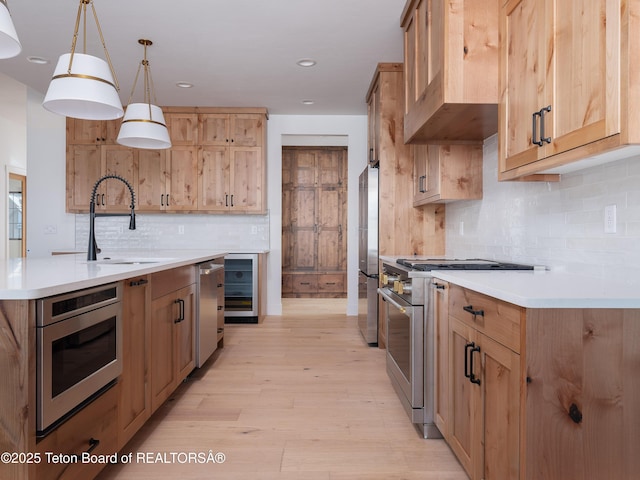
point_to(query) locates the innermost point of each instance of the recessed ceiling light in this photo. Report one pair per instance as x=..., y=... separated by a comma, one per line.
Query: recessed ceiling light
x=308, y=102
x=306, y=62
x=38, y=60
x=184, y=84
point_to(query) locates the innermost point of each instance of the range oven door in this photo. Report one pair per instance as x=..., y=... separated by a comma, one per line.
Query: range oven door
x=405, y=352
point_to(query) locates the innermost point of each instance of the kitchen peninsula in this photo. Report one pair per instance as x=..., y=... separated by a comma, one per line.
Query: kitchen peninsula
x=156, y=293
x=536, y=373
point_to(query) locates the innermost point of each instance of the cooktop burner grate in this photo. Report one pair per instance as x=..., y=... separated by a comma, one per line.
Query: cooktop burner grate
x=428, y=264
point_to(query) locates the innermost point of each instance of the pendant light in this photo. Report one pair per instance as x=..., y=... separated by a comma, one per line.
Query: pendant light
x=9, y=43
x=143, y=125
x=84, y=86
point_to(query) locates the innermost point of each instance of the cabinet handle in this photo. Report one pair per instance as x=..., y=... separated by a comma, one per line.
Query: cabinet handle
x=542, y=137
x=226, y=200
x=472, y=377
x=167, y=199
x=103, y=200
x=466, y=359
x=232, y=195
x=220, y=307
x=137, y=283
x=469, y=308
x=421, y=182
x=438, y=286
x=534, y=130
x=162, y=200
x=93, y=443
x=180, y=302
x=371, y=155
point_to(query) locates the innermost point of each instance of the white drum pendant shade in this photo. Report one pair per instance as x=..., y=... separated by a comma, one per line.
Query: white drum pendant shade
x=9, y=43
x=88, y=92
x=140, y=131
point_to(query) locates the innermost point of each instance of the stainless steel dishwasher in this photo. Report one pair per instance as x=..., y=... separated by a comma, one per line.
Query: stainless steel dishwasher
x=209, y=309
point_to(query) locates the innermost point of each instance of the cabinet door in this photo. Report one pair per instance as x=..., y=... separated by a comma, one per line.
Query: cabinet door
x=185, y=332
x=183, y=128
x=152, y=178
x=584, y=89
x=84, y=168
x=214, y=129
x=182, y=181
x=497, y=443
x=462, y=412
x=374, y=125
x=303, y=229
x=134, y=406
x=118, y=160
x=87, y=132
x=213, y=178
x=440, y=297
x=246, y=130
x=164, y=312
x=523, y=29
x=246, y=179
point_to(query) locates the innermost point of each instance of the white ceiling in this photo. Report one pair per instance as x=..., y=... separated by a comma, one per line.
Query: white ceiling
x=235, y=52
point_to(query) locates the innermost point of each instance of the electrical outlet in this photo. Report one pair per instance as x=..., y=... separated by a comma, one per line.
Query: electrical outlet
x=461, y=228
x=120, y=229
x=610, y=220
x=50, y=229
x=180, y=229
x=254, y=230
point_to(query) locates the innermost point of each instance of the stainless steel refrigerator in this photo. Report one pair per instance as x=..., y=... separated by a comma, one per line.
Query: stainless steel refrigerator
x=368, y=256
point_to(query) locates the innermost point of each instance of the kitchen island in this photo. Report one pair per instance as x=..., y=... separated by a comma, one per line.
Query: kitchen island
x=157, y=298
x=536, y=374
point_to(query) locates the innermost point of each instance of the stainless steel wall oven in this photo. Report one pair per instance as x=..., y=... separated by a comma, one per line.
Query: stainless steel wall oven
x=79, y=351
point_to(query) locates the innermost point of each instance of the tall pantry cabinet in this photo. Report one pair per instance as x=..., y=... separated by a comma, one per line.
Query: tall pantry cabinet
x=404, y=230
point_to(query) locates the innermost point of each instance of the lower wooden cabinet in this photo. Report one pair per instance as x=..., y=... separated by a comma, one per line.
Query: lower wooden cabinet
x=134, y=406
x=317, y=284
x=91, y=431
x=537, y=393
x=173, y=347
x=483, y=415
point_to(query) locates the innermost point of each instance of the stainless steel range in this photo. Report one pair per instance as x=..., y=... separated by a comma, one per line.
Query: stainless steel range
x=405, y=289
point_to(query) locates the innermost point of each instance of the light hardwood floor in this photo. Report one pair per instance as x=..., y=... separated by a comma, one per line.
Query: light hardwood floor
x=295, y=397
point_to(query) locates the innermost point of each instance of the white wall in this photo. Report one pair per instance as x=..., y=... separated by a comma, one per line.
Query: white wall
x=283, y=126
x=49, y=227
x=13, y=144
x=560, y=225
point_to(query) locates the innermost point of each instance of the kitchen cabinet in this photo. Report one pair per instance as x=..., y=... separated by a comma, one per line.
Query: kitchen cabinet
x=134, y=405
x=484, y=384
x=93, y=429
x=444, y=173
x=451, y=70
x=314, y=206
x=217, y=164
x=569, y=85
x=231, y=164
x=173, y=296
x=92, y=132
x=440, y=306
x=86, y=164
x=411, y=231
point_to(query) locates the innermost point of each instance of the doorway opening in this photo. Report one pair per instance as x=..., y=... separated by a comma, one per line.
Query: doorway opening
x=314, y=221
x=16, y=225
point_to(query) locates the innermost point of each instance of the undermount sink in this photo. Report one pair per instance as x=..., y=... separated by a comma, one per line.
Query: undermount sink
x=130, y=261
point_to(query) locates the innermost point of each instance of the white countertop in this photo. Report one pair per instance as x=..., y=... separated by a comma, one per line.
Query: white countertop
x=548, y=289
x=31, y=278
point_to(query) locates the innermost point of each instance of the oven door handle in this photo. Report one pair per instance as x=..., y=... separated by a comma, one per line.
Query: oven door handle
x=387, y=298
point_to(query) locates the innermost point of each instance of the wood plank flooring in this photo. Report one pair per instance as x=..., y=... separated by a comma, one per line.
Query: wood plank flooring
x=295, y=397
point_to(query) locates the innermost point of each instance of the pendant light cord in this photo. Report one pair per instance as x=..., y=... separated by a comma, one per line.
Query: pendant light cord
x=82, y=13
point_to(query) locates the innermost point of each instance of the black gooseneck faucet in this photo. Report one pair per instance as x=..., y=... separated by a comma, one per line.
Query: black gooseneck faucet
x=92, y=252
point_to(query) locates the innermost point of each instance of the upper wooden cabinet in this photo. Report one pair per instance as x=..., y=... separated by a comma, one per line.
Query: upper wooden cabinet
x=451, y=70
x=443, y=173
x=569, y=84
x=216, y=164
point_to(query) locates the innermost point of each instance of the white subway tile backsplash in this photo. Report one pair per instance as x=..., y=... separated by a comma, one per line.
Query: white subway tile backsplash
x=558, y=224
x=154, y=231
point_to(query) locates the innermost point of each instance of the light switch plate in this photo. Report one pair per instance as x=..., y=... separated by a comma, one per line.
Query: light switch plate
x=610, y=219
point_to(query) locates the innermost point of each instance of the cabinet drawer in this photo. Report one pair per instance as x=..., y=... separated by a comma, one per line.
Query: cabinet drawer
x=97, y=421
x=169, y=281
x=305, y=283
x=331, y=283
x=499, y=320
